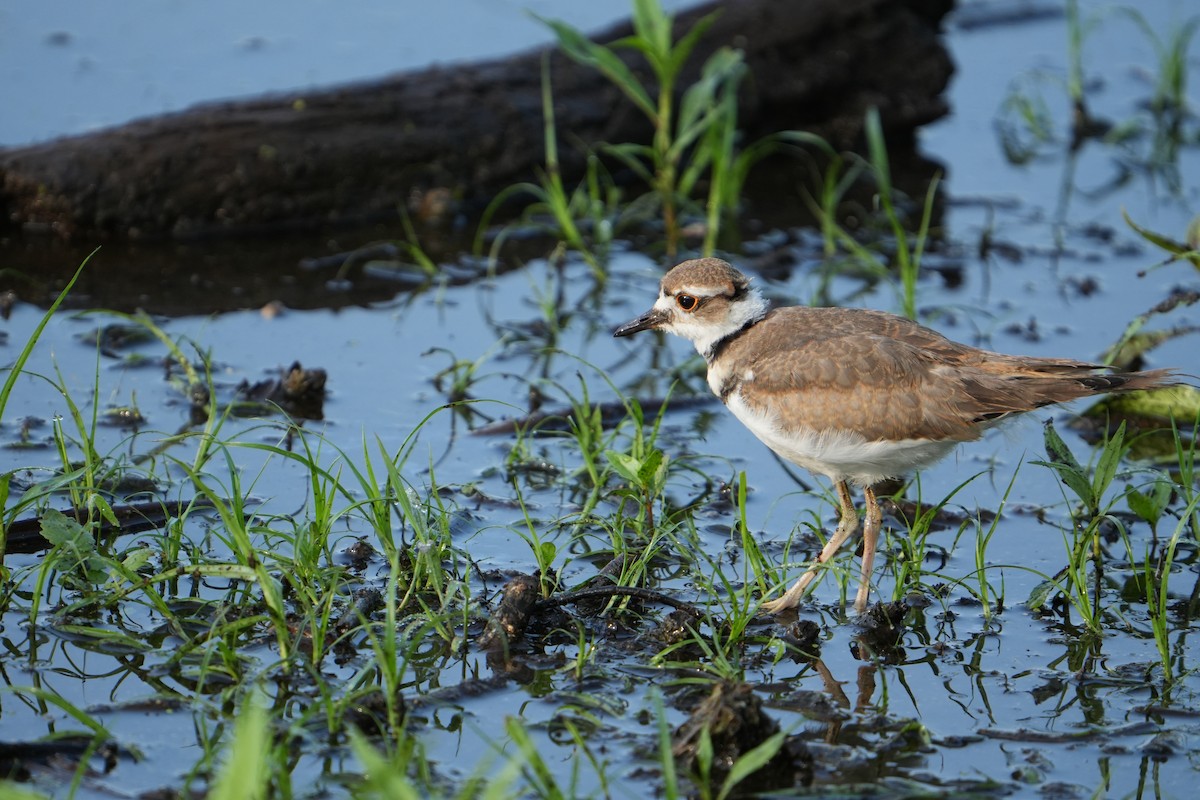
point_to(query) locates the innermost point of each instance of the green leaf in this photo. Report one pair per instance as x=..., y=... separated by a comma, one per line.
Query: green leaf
x=1057, y=450
x=244, y=775
x=233, y=572
x=1041, y=594
x=1069, y=471
x=272, y=592
x=1177, y=249
x=1110, y=459
x=1077, y=482
x=546, y=552
x=654, y=27
x=59, y=529
x=387, y=779
x=584, y=51
x=684, y=47
x=877, y=149
x=704, y=752
x=634, y=156
x=648, y=50
x=1141, y=505
x=653, y=30
x=1150, y=506
x=699, y=110
x=751, y=762
x=649, y=469
x=15, y=791
x=137, y=558
x=626, y=465
x=102, y=636
x=99, y=503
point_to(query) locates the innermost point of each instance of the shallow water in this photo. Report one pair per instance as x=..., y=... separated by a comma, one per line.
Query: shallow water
x=1014, y=704
x=74, y=67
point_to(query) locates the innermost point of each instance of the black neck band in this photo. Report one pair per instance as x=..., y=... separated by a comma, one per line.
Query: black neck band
x=718, y=347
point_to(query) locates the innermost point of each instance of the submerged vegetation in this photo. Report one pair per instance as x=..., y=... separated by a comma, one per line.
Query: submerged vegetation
x=1149, y=142
x=541, y=577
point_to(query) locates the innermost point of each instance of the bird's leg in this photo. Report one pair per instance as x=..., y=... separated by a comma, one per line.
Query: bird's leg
x=871, y=527
x=847, y=525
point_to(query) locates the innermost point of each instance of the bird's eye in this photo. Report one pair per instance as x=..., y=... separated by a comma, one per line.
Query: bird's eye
x=687, y=302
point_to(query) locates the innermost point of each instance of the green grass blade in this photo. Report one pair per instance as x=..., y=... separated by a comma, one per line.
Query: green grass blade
x=1110, y=459
x=245, y=773
x=751, y=762
x=584, y=51
x=14, y=371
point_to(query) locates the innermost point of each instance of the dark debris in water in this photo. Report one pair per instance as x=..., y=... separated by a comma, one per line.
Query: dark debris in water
x=734, y=722
x=359, y=555
x=25, y=534
x=728, y=717
x=465, y=690
x=366, y=602
x=297, y=391
x=803, y=636
x=369, y=713
x=1039, y=736
x=22, y=760
x=115, y=337
x=674, y=629
x=507, y=623
x=943, y=518
x=521, y=600
x=993, y=13
x=611, y=414
x=123, y=417
x=881, y=630
x=608, y=592
x=145, y=705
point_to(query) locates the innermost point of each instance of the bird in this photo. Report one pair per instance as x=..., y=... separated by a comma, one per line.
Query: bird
x=857, y=395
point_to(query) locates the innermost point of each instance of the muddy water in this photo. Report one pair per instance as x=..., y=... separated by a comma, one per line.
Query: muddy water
x=1017, y=699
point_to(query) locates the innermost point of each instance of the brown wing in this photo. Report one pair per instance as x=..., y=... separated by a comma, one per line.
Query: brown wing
x=888, y=378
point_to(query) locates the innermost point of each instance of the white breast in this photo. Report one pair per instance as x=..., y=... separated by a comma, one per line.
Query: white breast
x=840, y=454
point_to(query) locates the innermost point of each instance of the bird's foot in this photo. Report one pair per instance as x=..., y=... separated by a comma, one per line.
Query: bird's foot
x=791, y=598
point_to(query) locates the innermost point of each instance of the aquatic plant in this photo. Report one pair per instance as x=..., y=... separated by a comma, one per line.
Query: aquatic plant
x=594, y=200
x=676, y=130
x=1026, y=126
x=695, y=137
x=1083, y=537
x=907, y=242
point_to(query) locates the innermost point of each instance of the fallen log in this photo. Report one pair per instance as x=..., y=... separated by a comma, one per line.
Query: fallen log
x=356, y=153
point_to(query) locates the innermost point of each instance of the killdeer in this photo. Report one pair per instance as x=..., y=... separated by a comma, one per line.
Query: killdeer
x=857, y=395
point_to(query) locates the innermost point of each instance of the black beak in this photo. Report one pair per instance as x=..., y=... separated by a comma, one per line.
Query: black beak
x=651, y=319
